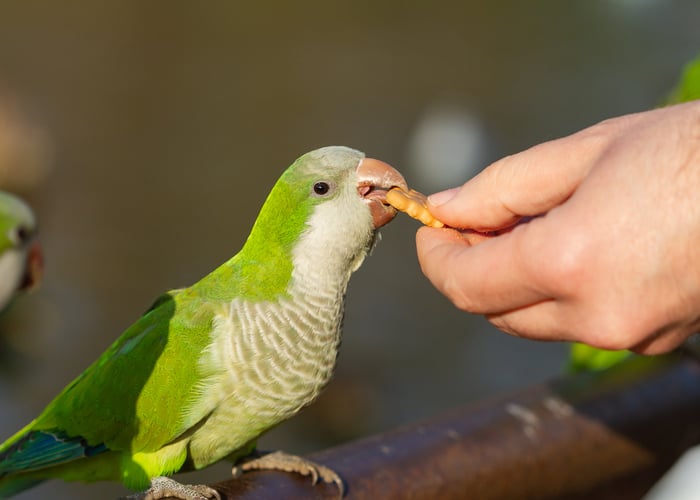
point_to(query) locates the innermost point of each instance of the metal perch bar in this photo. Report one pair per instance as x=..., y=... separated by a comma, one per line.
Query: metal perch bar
x=601, y=435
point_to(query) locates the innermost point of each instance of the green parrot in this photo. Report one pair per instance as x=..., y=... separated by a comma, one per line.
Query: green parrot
x=209, y=368
x=20, y=255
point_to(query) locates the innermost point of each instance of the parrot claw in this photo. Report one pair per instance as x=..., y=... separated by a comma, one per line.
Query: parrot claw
x=279, y=460
x=164, y=487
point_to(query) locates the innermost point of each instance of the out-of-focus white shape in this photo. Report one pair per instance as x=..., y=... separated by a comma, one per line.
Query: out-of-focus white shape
x=682, y=482
x=448, y=145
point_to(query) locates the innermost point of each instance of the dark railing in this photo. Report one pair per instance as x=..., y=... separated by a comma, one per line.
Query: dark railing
x=597, y=435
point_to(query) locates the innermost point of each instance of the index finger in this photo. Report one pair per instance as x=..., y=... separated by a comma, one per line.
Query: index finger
x=524, y=184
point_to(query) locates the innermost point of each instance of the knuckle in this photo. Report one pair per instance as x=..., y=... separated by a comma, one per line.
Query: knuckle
x=563, y=264
x=613, y=331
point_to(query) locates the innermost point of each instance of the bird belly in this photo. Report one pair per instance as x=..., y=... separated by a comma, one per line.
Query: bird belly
x=249, y=412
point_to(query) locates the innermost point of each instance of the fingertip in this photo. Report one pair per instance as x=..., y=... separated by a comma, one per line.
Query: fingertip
x=441, y=206
x=442, y=197
x=453, y=207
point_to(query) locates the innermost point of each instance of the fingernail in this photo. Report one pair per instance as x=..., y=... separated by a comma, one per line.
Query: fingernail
x=442, y=197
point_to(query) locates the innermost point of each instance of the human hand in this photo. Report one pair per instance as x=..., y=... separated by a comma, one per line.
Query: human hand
x=594, y=237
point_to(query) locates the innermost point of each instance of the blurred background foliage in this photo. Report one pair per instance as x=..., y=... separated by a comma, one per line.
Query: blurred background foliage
x=147, y=134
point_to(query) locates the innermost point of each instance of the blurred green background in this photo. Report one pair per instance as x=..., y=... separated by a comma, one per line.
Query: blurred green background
x=147, y=134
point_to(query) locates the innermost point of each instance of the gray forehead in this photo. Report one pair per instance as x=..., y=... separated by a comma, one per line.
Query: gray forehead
x=337, y=156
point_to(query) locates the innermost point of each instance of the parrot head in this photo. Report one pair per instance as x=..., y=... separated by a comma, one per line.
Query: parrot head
x=343, y=198
x=20, y=254
x=319, y=221
x=343, y=183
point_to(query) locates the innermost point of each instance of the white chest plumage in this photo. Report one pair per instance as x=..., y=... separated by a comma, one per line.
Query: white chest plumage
x=269, y=359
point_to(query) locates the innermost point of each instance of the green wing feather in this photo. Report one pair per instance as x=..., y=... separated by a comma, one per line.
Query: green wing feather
x=131, y=400
x=148, y=370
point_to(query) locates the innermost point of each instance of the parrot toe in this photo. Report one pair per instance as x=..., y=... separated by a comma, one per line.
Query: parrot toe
x=282, y=461
x=164, y=487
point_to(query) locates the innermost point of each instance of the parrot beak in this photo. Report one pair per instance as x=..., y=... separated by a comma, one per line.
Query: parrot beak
x=374, y=179
x=33, y=268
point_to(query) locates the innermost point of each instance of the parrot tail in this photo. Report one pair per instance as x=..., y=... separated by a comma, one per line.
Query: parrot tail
x=23, y=457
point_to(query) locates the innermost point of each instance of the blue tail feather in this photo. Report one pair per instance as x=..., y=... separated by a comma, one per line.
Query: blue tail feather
x=40, y=449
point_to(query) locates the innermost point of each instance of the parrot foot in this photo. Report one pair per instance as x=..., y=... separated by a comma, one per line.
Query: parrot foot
x=164, y=487
x=279, y=460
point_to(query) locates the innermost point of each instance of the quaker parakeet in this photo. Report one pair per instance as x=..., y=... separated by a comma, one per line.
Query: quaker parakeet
x=209, y=368
x=20, y=257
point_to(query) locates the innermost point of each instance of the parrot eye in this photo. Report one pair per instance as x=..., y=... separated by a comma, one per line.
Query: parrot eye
x=322, y=188
x=19, y=235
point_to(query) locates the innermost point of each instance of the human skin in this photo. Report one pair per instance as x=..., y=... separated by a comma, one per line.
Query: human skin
x=594, y=237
